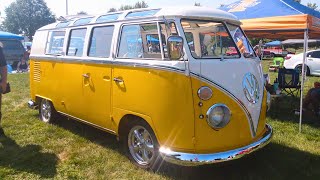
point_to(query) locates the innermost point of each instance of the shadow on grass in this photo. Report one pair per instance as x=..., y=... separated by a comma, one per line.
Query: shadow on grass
x=272, y=162
x=282, y=109
x=91, y=133
x=27, y=158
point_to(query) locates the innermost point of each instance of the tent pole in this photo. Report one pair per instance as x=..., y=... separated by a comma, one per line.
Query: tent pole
x=305, y=48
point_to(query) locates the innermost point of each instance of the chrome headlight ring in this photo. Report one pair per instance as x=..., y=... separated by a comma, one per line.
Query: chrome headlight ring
x=218, y=116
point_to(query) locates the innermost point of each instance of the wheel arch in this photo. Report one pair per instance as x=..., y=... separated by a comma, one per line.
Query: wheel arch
x=124, y=121
x=309, y=70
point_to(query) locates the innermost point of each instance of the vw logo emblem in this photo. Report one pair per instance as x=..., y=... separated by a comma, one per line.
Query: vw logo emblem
x=251, y=88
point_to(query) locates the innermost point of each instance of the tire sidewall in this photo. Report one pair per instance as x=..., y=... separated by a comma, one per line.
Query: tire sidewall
x=154, y=163
x=52, y=113
x=299, y=68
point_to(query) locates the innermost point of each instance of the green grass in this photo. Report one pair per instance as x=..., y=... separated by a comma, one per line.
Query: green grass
x=32, y=149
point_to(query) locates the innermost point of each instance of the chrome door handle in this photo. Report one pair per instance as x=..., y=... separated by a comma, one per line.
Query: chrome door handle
x=117, y=80
x=86, y=75
x=310, y=59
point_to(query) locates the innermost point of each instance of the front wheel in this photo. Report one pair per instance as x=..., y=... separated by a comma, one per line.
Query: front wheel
x=142, y=146
x=47, y=113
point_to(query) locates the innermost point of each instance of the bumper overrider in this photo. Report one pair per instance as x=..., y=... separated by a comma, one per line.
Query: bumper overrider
x=188, y=159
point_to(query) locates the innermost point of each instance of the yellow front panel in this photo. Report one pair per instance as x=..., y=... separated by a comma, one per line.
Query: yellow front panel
x=162, y=95
x=236, y=134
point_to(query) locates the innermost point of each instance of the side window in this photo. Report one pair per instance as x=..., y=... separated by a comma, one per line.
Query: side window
x=140, y=41
x=55, y=42
x=316, y=54
x=100, y=42
x=76, y=42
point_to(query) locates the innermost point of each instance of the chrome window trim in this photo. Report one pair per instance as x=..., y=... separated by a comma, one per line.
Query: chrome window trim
x=107, y=61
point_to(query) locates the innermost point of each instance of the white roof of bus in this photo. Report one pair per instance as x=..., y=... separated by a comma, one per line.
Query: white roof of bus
x=187, y=12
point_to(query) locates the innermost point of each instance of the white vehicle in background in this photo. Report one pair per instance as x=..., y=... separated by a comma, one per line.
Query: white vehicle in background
x=312, y=62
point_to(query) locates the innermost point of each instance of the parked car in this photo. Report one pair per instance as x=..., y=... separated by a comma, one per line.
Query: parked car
x=312, y=62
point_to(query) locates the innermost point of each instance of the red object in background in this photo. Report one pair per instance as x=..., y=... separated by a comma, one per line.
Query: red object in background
x=316, y=84
x=231, y=51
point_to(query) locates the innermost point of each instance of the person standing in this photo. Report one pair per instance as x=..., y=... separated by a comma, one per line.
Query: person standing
x=3, y=82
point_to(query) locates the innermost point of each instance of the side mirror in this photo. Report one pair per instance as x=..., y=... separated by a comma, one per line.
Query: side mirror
x=175, y=47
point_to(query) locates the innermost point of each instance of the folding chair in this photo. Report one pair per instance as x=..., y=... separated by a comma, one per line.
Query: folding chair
x=289, y=81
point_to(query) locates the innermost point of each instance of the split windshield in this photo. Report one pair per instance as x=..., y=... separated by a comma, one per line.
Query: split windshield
x=212, y=40
x=209, y=40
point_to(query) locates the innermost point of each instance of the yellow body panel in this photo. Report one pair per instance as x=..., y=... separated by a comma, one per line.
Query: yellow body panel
x=167, y=99
x=163, y=95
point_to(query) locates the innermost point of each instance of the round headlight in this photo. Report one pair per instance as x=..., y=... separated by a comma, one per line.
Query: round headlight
x=218, y=116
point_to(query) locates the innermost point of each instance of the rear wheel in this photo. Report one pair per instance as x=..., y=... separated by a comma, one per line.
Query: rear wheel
x=299, y=69
x=141, y=146
x=47, y=113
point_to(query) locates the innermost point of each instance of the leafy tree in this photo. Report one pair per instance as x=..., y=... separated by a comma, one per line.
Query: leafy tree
x=125, y=7
x=26, y=16
x=112, y=10
x=222, y=5
x=298, y=1
x=313, y=6
x=138, y=4
x=141, y=4
x=197, y=4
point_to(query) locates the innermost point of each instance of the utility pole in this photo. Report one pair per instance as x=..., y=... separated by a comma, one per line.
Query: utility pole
x=66, y=7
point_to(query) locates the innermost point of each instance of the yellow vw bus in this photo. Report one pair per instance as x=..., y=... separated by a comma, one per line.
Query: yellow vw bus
x=161, y=80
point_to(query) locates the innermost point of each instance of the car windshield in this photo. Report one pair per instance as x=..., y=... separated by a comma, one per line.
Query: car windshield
x=209, y=40
x=241, y=41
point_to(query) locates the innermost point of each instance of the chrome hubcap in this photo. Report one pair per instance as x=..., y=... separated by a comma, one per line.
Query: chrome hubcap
x=140, y=145
x=46, y=111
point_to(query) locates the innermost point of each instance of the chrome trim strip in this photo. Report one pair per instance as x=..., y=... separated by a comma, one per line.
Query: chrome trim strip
x=108, y=62
x=189, y=159
x=249, y=117
x=89, y=123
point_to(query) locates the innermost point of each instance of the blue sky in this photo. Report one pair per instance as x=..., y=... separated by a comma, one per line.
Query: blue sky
x=101, y=6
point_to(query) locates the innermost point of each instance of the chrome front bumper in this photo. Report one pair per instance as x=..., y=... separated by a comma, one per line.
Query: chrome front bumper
x=188, y=159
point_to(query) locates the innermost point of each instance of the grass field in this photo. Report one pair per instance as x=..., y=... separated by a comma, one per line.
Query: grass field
x=32, y=149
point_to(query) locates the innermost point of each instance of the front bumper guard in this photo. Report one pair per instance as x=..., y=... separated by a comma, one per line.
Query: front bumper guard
x=32, y=105
x=188, y=159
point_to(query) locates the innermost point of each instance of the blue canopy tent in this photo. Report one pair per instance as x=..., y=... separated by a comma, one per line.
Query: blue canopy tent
x=278, y=19
x=273, y=43
x=7, y=35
